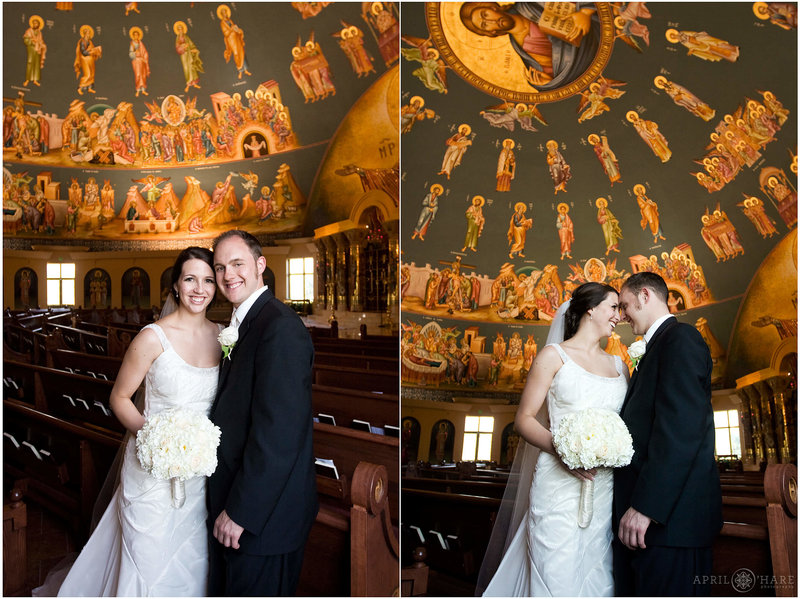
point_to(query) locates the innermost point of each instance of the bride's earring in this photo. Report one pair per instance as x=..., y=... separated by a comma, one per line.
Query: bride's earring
x=590, y=315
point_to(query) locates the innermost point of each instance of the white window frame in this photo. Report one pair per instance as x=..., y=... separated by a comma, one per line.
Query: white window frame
x=304, y=274
x=60, y=283
x=477, y=445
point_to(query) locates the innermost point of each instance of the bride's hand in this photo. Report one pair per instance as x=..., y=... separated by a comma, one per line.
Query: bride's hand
x=583, y=474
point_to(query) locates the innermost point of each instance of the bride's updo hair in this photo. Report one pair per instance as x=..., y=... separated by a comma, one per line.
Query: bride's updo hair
x=584, y=298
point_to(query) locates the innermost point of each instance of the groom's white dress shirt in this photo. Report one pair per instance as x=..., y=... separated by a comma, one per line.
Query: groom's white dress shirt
x=653, y=327
x=239, y=313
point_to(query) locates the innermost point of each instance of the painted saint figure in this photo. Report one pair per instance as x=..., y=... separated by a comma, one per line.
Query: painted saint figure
x=475, y=222
x=559, y=169
x=704, y=46
x=86, y=55
x=412, y=112
x=140, y=61
x=684, y=98
x=517, y=228
x=457, y=144
x=36, y=50
x=351, y=41
x=234, y=40
x=648, y=131
x=566, y=232
x=610, y=225
x=649, y=211
x=506, y=166
x=607, y=158
x=189, y=54
x=430, y=205
x=753, y=209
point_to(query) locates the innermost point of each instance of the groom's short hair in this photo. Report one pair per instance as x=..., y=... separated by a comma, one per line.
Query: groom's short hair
x=250, y=240
x=635, y=283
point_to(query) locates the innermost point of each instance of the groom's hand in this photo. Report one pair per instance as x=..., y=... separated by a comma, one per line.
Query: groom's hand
x=226, y=531
x=632, y=529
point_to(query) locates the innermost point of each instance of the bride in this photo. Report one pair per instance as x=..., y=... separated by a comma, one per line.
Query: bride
x=144, y=546
x=544, y=551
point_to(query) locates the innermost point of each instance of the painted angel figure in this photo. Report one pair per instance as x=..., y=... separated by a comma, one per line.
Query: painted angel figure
x=566, y=230
x=753, y=209
x=86, y=55
x=684, y=98
x=517, y=228
x=140, y=61
x=559, y=169
x=649, y=211
x=234, y=40
x=414, y=111
x=592, y=102
x=648, y=131
x=433, y=72
x=704, y=46
x=507, y=115
x=629, y=27
x=36, y=50
x=457, y=144
x=189, y=55
x=607, y=158
x=609, y=224
x=782, y=14
x=351, y=41
x=506, y=166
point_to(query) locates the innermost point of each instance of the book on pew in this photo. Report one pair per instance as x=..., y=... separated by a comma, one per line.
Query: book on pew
x=11, y=438
x=391, y=430
x=442, y=540
x=419, y=533
x=326, y=468
x=361, y=425
x=327, y=419
x=453, y=542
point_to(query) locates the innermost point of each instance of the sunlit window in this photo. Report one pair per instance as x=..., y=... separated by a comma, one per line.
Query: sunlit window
x=60, y=284
x=726, y=429
x=478, y=438
x=300, y=274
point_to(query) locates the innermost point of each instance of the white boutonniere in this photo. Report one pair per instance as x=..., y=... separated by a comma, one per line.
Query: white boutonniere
x=227, y=339
x=636, y=351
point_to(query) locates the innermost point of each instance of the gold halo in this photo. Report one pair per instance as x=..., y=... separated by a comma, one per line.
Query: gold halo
x=419, y=99
x=521, y=107
x=632, y=116
x=237, y=97
x=674, y=255
x=376, y=8
x=619, y=22
x=563, y=206
x=664, y=256
x=715, y=160
x=760, y=10
x=751, y=104
x=279, y=107
x=481, y=200
x=755, y=201
x=740, y=123
x=747, y=202
x=772, y=182
x=705, y=218
x=265, y=190
x=637, y=187
x=672, y=36
x=721, y=147
x=700, y=176
x=259, y=95
x=593, y=139
x=653, y=258
x=550, y=143
x=249, y=93
x=601, y=202
x=464, y=129
x=178, y=25
x=34, y=19
x=714, y=136
x=344, y=33
x=593, y=87
x=517, y=207
x=87, y=28
x=437, y=188
x=297, y=51
x=768, y=95
x=660, y=82
x=508, y=143
x=310, y=45
x=353, y=30
x=220, y=8
x=282, y=116
x=135, y=30
x=434, y=53
x=728, y=134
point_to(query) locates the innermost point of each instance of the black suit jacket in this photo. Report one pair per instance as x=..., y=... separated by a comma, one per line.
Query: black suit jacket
x=673, y=477
x=265, y=477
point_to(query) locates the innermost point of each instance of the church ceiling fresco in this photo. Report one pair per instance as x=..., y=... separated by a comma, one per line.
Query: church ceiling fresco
x=543, y=149
x=164, y=120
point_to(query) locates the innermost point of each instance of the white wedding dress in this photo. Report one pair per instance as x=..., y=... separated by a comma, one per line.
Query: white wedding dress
x=143, y=546
x=550, y=555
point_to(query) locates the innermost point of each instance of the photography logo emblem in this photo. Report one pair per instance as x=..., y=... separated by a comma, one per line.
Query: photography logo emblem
x=743, y=580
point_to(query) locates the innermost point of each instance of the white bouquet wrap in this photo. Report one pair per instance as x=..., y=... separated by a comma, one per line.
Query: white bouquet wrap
x=592, y=438
x=178, y=444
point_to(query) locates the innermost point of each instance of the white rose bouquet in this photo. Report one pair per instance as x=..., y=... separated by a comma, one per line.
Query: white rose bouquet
x=178, y=444
x=227, y=339
x=636, y=351
x=592, y=438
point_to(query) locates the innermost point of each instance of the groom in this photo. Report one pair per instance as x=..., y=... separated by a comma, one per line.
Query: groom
x=262, y=498
x=667, y=502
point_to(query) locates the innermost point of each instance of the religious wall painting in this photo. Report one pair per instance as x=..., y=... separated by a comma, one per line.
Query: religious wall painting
x=36, y=50
x=715, y=348
x=566, y=230
x=26, y=289
x=165, y=285
x=509, y=441
x=508, y=115
x=386, y=180
x=383, y=22
x=140, y=61
x=782, y=14
x=409, y=440
x=442, y=442
x=605, y=155
x=781, y=192
x=609, y=224
x=86, y=56
x=501, y=63
x=628, y=27
x=309, y=9
x=97, y=288
x=234, y=41
x=430, y=206
x=475, y=223
x=648, y=208
x=753, y=209
x=684, y=98
x=593, y=99
x=702, y=45
x=432, y=71
x=414, y=112
x=189, y=55
x=131, y=7
x=506, y=166
x=720, y=235
x=517, y=229
x=648, y=131
x=351, y=41
x=311, y=71
x=135, y=288
x=560, y=171
x=456, y=147
x=685, y=278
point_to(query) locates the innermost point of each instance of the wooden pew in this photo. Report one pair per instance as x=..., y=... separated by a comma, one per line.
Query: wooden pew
x=385, y=381
x=80, y=340
x=87, y=364
x=347, y=404
x=390, y=364
x=352, y=549
x=479, y=488
x=15, y=554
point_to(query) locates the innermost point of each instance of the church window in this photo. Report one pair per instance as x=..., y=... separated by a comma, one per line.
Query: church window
x=60, y=284
x=478, y=438
x=726, y=429
x=300, y=274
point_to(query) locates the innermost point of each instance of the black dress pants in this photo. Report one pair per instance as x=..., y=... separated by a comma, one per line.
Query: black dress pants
x=662, y=571
x=236, y=574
